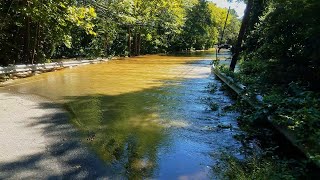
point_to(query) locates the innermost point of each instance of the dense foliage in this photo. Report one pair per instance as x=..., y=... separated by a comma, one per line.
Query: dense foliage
x=31, y=30
x=38, y=30
x=287, y=40
x=281, y=58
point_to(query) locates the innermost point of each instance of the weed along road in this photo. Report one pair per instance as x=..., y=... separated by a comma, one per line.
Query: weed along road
x=160, y=117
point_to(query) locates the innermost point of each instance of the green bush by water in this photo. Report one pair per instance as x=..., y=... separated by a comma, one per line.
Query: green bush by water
x=254, y=168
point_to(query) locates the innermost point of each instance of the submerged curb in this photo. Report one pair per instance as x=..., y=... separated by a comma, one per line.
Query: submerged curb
x=256, y=103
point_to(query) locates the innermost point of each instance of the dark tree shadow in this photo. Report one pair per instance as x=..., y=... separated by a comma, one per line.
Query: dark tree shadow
x=123, y=130
x=65, y=157
x=86, y=142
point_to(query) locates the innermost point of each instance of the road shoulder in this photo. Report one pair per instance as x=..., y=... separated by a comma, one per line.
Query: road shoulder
x=38, y=142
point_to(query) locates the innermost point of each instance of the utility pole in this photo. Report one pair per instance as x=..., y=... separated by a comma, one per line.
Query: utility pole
x=225, y=24
x=242, y=32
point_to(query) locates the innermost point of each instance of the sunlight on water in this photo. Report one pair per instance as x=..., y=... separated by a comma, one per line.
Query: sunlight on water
x=112, y=78
x=137, y=113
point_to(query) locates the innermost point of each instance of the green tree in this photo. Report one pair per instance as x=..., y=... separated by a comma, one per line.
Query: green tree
x=199, y=27
x=34, y=31
x=35, y=28
x=232, y=29
x=286, y=38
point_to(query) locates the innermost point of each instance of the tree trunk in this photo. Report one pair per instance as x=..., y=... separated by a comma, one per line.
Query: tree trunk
x=38, y=43
x=28, y=39
x=26, y=36
x=242, y=31
x=136, y=44
x=106, y=46
x=139, y=44
x=35, y=46
x=129, y=41
x=26, y=42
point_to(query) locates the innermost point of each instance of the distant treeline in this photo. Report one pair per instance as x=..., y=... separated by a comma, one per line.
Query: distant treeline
x=39, y=30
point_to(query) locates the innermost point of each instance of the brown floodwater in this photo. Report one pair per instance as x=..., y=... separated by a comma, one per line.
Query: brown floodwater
x=146, y=117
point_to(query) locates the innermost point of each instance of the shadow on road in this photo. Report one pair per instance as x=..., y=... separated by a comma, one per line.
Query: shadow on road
x=65, y=156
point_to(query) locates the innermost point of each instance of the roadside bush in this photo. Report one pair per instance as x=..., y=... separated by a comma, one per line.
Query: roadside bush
x=282, y=62
x=298, y=110
x=255, y=168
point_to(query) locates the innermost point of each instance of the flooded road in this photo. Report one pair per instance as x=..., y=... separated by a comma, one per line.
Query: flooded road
x=147, y=117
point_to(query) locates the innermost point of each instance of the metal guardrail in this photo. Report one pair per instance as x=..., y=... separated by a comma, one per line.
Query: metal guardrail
x=46, y=66
x=238, y=88
x=256, y=103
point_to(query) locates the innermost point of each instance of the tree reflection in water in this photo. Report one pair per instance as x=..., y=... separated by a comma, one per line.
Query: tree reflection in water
x=125, y=130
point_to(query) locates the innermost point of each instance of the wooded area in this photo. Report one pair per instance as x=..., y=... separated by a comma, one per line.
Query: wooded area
x=277, y=45
x=278, y=52
x=37, y=31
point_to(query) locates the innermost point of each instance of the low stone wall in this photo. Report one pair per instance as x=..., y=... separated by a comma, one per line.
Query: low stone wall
x=23, y=71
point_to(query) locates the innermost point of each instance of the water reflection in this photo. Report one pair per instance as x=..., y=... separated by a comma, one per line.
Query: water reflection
x=124, y=129
x=144, y=116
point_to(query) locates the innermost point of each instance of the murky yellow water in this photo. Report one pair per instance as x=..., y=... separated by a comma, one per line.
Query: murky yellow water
x=112, y=78
x=143, y=116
